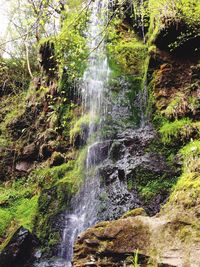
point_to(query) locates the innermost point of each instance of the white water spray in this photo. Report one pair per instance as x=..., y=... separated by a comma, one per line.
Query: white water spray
x=85, y=204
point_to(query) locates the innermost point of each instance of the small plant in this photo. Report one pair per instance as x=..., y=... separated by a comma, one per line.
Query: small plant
x=136, y=259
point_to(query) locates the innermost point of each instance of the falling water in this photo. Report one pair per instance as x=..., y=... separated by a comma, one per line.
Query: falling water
x=84, y=205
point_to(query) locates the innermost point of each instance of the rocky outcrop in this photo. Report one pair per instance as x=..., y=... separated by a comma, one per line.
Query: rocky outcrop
x=155, y=240
x=19, y=250
x=128, y=167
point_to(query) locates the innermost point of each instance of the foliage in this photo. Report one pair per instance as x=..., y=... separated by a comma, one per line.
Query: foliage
x=187, y=10
x=164, y=13
x=183, y=129
x=70, y=44
x=11, y=107
x=153, y=188
x=14, y=77
x=180, y=105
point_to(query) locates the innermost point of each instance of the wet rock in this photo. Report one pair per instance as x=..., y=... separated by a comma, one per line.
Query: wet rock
x=131, y=168
x=98, y=152
x=19, y=251
x=108, y=172
x=116, y=151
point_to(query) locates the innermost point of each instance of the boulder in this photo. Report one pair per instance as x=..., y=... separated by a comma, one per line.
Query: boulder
x=19, y=250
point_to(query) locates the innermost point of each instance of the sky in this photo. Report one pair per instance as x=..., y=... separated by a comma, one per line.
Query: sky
x=4, y=6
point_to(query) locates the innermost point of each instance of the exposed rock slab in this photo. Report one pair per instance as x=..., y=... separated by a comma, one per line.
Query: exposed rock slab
x=156, y=239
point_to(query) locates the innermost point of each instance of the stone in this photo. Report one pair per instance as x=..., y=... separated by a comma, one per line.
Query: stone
x=30, y=152
x=23, y=166
x=19, y=250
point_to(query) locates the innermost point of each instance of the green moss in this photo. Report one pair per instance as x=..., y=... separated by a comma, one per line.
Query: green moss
x=134, y=213
x=126, y=53
x=183, y=129
x=80, y=125
x=75, y=177
x=22, y=212
x=48, y=177
x=61, y=183
x=5, y=220
x=25, y=211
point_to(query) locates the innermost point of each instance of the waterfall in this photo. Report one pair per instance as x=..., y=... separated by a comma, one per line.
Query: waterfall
x=97, y=72
x=84, y=205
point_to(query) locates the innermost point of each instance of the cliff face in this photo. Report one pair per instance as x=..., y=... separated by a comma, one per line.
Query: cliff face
x=171, y=237
x=148, y=157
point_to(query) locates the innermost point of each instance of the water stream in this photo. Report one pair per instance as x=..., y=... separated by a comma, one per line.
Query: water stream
x=84, y=205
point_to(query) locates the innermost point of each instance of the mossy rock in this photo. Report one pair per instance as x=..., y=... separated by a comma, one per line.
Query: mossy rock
x=134, y=213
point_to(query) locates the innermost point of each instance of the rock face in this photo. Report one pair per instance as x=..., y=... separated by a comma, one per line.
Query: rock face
x=123, y=171
x=114, y=243
x=19, y=250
